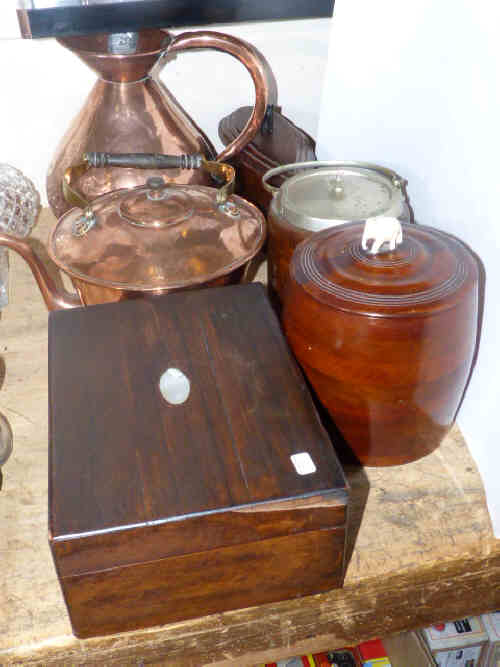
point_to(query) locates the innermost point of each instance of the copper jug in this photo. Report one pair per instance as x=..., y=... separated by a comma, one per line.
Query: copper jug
x=130, y=110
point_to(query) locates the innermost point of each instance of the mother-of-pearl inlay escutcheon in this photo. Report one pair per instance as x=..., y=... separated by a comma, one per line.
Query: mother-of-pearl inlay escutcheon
x=174, y=386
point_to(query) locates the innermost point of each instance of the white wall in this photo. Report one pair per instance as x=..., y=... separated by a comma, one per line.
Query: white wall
x=414, y=85
x=44, y=86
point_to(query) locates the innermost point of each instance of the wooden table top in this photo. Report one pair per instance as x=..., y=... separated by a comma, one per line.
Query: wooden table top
x=421, y=544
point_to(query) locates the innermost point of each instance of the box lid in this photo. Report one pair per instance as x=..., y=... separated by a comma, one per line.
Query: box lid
x=122, y=458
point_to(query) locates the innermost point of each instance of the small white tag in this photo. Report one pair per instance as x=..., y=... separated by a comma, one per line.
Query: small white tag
x=303, y=463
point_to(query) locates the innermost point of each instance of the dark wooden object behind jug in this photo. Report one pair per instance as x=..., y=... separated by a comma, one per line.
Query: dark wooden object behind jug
x=279, y=141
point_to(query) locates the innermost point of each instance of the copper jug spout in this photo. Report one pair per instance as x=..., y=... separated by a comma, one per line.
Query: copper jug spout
x=55, y=298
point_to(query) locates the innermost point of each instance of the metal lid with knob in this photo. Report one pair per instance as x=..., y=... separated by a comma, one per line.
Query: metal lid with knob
x=324, y=194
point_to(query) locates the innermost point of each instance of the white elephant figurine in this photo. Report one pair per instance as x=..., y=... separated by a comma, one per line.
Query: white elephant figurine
x=380, y=230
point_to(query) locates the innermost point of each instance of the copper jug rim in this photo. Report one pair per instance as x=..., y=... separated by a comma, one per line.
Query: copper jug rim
x=76, y=44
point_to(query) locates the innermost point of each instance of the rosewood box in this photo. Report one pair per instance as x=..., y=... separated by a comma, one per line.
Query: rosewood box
x=221, y=491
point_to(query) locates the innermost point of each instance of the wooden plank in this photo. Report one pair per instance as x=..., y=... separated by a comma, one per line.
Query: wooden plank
x=421, y=550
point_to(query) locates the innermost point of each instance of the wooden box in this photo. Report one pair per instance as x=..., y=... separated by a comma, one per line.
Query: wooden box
x=160, y=512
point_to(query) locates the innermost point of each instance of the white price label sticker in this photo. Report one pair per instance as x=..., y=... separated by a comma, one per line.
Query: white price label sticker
x=303, y=463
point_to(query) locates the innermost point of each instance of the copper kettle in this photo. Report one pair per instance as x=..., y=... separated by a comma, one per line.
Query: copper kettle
x=153, y=239
x=129, y=110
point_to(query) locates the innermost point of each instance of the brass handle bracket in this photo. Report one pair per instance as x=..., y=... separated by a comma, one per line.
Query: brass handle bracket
x=221, y=171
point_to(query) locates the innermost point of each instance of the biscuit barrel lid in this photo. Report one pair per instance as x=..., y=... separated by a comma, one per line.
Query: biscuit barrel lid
x=384, y=267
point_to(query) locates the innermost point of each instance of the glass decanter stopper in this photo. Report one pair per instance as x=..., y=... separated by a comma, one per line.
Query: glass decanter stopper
x=19, y=206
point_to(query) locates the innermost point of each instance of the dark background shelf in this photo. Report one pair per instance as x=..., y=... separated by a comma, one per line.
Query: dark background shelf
x=130, y=16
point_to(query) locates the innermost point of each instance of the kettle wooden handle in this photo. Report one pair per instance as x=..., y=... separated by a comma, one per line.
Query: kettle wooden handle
x=220, y=171
x=258, y=67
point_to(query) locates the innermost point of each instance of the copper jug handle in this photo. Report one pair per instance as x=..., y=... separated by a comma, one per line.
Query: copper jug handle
x=397, y=180
x=255, y=63
x=219, y=171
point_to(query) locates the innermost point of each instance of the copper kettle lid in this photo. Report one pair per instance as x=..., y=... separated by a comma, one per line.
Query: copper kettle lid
x=157, y=236
x=423, y=270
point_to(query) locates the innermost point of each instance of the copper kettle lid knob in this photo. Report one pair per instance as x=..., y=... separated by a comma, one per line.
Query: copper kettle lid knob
x=156, y=188
x=155, y=183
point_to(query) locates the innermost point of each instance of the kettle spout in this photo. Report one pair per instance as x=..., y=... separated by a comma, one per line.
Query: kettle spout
x=55, y=298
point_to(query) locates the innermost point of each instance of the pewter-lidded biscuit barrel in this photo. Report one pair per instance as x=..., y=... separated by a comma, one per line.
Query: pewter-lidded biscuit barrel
x=323, y=195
